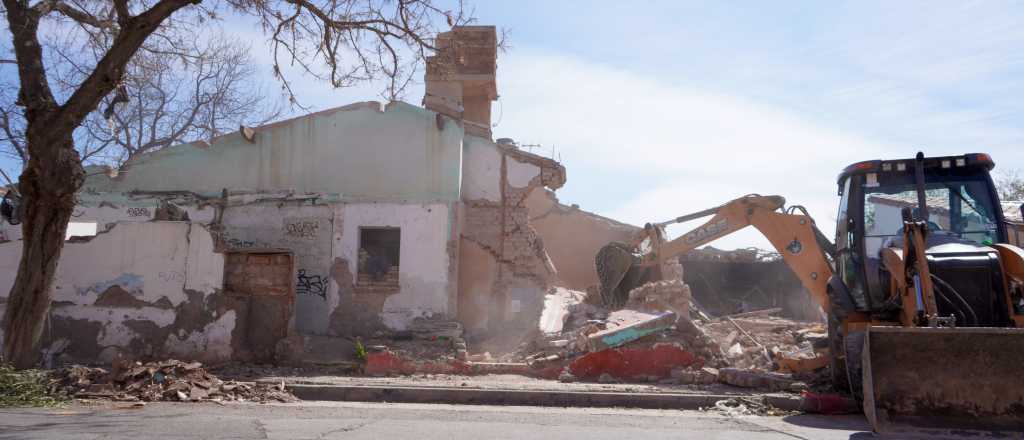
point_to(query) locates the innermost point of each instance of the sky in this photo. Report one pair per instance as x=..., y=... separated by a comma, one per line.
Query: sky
x=658, y=109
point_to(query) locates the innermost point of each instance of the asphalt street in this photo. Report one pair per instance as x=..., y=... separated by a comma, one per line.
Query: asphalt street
x=376, y=421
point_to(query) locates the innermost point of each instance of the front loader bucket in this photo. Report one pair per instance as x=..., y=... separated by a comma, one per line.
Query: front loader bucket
x=942, y=381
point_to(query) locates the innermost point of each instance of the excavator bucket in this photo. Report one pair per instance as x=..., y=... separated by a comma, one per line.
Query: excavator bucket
x=944, y=381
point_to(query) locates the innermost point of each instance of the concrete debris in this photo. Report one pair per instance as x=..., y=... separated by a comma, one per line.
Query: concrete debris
x=576, y=339
x=759, y=341
x=170, y=380
x=748, y=406
x=670, y=295
x=759, y=379
x=755, y=313
x=556, y=310
x=629, y=325
x=804, y=359
x=431, y=329
x=702, y=376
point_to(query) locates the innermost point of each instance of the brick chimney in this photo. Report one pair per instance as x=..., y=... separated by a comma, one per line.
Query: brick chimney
x=460, y=78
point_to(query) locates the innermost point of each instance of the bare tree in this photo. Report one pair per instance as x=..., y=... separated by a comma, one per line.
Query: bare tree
x=171, y=100
x=12, y=124
x=168, y=99
x=353, y=41
x=1010, y=185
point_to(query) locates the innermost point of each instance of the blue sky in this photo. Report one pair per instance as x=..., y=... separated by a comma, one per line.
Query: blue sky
x=662, y=108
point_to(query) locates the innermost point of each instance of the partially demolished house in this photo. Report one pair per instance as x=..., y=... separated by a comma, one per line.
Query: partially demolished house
x=358, y=220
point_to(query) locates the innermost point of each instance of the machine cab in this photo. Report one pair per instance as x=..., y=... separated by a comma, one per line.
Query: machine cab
x=963, y=213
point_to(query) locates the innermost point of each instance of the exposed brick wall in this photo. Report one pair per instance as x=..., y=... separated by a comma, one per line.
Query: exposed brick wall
x=502, y=229
x=258, y=274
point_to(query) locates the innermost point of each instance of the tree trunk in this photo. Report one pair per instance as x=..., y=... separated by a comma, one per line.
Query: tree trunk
x=48, y=199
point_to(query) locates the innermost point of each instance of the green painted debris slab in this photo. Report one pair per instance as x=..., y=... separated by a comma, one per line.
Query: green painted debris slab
x=632, y=325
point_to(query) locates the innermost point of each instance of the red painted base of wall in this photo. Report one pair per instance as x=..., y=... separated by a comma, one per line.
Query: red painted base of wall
x=385, y=363
x=642, y=364
x=639, y=363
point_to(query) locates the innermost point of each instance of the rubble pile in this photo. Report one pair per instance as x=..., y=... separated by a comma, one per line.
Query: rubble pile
x=748, y=255
x=748, y=406
x=169, y=380
x=760, y=341
x=751, y=350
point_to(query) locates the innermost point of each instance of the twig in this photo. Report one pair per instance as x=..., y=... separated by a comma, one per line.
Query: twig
x=770, y=311
x=752, y=339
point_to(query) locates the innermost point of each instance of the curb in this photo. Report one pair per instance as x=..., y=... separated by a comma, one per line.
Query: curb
x=551, y=398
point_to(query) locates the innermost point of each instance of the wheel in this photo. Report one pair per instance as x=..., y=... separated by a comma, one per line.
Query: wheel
x=854, y=344
x=836, y=359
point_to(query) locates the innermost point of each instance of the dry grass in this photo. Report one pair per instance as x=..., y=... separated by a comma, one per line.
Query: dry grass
x=26, y=388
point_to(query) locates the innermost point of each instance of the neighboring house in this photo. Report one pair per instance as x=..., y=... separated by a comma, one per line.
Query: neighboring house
x=361, y=220
x=1014, y=212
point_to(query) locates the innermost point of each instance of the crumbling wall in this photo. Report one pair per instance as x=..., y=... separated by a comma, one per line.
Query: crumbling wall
x=139, y=289
x=572, y=237
x=506, y=250
x=305, y=230
x=425, y=277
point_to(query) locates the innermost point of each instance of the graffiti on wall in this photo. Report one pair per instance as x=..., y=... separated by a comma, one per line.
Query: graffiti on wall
x=171, y=276
x=138, y=212
x=235, y=243
x=302, y=228
x=311, y=285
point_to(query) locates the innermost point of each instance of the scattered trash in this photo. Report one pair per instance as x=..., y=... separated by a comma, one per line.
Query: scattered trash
x=169, y=380
x=748, y=406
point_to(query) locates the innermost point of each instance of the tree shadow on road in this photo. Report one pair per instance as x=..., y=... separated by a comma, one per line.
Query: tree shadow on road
x=842, y=422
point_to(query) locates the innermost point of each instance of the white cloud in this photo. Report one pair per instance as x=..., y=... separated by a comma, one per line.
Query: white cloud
x=702, y=148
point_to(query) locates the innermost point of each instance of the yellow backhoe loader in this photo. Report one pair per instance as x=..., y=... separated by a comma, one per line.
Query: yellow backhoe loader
x=924, y=298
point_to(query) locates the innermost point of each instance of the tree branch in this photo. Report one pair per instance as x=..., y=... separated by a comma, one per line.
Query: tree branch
x=123, y=15
x=110, y=69
x=44, y=7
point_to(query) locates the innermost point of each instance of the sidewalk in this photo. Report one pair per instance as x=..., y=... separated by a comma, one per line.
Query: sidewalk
x=506, y=389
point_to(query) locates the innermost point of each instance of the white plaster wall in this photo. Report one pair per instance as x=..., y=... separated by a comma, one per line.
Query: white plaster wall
x=423, y=274
x=150, y=260
x=212, y=343
x=113, y=332
x=520, y=174
x=9, y=231
x=140, y=212
x=146, y=259
x=481, y=170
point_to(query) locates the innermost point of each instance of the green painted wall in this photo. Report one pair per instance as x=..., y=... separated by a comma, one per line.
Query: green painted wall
x=357, y=151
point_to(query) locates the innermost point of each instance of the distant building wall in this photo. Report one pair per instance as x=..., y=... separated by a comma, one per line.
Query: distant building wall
x=1016, y=233
x=572, y=237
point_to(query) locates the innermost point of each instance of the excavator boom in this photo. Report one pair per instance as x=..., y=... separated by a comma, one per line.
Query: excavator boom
x=793, y=235
x=936, y=353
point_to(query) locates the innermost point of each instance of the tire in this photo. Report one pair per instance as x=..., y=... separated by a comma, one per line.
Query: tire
x=837, y=358
x=854, y=346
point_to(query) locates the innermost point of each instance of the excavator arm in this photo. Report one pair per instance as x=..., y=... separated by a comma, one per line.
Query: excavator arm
x=793, y=235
